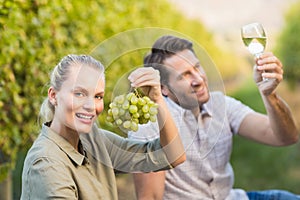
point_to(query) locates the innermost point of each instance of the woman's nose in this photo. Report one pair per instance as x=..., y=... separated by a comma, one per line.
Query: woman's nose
x=89, y=104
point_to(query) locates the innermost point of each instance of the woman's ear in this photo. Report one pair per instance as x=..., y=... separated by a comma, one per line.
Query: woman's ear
x=52, y=96
x=164, y=90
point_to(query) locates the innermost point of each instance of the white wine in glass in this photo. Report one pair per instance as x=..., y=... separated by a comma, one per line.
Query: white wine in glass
x=254, y=37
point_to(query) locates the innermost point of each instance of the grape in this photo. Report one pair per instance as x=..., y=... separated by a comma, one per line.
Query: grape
x=153, y=110
x=134, y=100
x=127, y=124
x=153, y=118
x=120, y=99
x=121, y=111
x=125, y=105
x=119, y=122
x=109, y=118
x=115, y=111
x=145, y=108
x=134, y=126
x=141, y=101
x=136, y=115
x=127, y=111
x=133, y=109
x=147, y=115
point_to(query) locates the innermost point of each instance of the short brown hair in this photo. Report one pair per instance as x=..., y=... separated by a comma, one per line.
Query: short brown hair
x=165, y=47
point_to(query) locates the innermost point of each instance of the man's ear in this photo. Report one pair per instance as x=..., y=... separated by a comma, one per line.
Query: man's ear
x=52, y=96
x=165, y=90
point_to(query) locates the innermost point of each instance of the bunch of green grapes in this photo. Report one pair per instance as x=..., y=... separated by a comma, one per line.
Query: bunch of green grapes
x=127, y=111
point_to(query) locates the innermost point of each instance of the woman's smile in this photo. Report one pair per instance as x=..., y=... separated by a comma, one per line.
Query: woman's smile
x=85, y=118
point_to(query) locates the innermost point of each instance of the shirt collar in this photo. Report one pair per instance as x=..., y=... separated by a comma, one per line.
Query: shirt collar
x=65, y=146
x=206, y=109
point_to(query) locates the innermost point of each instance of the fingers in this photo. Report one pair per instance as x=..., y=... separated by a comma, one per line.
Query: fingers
x=144, y=77
x=267, y=58
x=270, y=66
x=148, y=80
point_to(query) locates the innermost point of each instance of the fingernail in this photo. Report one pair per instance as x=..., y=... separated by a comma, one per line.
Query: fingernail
x=258, y=67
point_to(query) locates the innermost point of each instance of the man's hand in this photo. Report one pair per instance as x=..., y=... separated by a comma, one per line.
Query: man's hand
x=269, y=67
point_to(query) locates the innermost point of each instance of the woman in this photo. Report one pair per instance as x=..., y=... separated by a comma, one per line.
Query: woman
x=72, y=158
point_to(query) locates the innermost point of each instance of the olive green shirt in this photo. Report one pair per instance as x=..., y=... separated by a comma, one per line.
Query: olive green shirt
x=53, y=169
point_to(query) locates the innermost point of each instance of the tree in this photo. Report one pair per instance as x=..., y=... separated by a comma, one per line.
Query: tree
x=288, y=47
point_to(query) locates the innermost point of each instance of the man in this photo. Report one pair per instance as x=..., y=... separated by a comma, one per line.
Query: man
x=207, y=121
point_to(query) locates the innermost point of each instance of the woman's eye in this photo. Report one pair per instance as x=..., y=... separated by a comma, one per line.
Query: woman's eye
x=79, y=94
x=99, y=97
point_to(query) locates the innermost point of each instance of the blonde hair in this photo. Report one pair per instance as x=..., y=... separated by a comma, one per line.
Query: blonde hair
x=59, y=74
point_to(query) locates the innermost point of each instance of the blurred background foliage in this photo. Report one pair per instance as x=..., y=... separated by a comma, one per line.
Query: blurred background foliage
x=288, y=47
x=36, y=34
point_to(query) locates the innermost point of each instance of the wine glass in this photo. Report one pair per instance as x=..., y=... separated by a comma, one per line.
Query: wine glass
x=254, y=37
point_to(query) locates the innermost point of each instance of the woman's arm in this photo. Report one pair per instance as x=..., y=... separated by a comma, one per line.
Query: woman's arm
x=148, y=79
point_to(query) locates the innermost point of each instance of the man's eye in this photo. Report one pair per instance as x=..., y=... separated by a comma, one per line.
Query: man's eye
x=198, y=68
x=180, y=77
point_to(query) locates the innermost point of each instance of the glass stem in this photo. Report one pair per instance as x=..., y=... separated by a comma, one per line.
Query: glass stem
x=257, y=56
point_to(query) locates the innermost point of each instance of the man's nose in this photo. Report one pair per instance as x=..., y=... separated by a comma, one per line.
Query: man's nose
x=197, y=79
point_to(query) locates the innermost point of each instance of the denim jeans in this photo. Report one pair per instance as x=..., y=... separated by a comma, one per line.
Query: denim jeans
x=272, y=195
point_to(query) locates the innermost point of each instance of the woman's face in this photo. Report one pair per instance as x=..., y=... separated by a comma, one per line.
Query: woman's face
x=79, y=101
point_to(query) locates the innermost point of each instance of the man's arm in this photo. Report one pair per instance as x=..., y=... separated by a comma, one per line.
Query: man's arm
x=149, y=186
x=278, y=127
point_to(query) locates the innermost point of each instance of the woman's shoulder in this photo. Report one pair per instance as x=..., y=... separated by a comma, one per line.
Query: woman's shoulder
x=44, y=150
x=39, y=148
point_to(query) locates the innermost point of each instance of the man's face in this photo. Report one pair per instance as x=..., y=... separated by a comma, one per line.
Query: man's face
x=187, y=84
